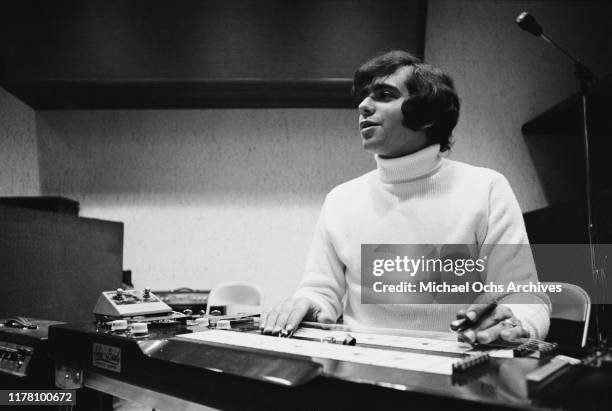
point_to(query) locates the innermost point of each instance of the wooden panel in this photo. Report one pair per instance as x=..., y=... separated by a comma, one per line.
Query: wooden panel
x=61, y=50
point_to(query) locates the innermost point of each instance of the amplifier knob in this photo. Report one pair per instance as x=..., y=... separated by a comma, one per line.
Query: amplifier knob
x=118, y=294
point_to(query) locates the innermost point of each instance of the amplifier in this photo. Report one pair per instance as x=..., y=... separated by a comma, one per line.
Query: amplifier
x=24, y=357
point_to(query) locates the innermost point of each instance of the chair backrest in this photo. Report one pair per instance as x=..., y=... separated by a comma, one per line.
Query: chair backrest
x=571, y=304
x=237, y=297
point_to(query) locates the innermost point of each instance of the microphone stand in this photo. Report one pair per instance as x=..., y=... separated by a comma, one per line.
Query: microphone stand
x=584, y=80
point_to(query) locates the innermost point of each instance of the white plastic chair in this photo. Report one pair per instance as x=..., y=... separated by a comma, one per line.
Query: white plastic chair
x=573, y=304
x=237, y=297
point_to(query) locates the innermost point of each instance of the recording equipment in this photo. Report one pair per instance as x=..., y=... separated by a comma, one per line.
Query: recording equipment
x=24, y=357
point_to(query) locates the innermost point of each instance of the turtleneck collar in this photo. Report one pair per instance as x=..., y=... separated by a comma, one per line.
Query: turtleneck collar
x=409, y=167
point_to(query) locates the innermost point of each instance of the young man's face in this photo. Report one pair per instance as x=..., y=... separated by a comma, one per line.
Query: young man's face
x=380, y=118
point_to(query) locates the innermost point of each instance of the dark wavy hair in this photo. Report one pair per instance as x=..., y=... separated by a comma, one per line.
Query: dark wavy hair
x=433, y=103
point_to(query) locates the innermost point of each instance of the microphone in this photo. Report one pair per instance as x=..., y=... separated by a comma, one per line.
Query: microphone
x=585, y=79
x=528, y=23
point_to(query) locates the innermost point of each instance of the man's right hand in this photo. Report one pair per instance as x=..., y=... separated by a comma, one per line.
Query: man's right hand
x=288, y=315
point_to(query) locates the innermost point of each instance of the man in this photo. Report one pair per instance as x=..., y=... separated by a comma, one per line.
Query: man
x=407, y=112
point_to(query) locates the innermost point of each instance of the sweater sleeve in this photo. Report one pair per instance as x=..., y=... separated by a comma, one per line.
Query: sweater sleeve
x=324, y=282
x=510, y=260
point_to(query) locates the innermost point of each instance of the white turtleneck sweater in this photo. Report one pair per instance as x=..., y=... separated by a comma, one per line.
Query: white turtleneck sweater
x=421, y=198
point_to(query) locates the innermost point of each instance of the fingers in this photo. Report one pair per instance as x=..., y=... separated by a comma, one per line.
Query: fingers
x=460, y=321
x=507, y=330
x=459, y=324
x=473, y=315
x=295, y=317
x=490, y=334
x=514, y=333
x=476, y=311
x=285, y=316
x=499, y=314
x=269, y=322
x=281, y=322
x=498, y=324
x=273, y=319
